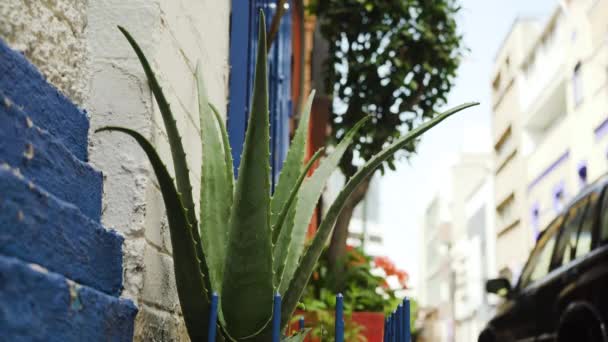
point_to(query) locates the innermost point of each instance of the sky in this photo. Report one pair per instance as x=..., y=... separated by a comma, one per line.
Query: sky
x=405, y=193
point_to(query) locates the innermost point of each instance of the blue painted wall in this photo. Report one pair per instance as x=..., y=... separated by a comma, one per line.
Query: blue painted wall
x=60, y=270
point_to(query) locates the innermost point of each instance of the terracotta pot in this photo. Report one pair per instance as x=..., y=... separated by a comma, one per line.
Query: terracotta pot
x=371, y=322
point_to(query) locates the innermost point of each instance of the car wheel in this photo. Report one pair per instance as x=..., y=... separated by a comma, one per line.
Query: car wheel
x=486, y=336
x=583, y=326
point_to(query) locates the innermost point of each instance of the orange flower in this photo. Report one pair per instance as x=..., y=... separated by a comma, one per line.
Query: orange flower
x=403, y=278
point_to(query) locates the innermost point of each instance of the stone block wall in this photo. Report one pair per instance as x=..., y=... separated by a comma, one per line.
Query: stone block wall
x=75, y=44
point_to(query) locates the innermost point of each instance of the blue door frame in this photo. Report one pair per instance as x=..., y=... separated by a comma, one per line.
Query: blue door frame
x=243, y=46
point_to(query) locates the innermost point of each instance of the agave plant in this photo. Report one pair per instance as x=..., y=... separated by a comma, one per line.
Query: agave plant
x=246, y=244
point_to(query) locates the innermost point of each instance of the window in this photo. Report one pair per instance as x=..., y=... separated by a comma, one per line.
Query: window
x=535, y=215
x=577, y=84
x=540, y=260
x=604, y=227
x=566, y=245
x=559, y=197
x=582, y=174
x=585, y=236
x=506, y=212
x=496, y=82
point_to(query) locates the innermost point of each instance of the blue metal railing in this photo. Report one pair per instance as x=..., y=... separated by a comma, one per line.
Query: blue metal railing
x=396, y=325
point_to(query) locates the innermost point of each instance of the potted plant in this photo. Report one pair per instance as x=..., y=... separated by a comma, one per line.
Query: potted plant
x=246, y=244
x=367, y=296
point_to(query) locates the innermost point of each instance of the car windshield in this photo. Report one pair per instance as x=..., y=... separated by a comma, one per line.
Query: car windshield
x=540, y=258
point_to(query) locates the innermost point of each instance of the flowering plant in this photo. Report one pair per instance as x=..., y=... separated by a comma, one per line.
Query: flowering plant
x=390, y=270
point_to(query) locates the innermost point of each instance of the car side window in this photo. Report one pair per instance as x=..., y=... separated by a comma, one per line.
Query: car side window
x=566, y=244
x=604, y=221
x=540, y=259
x=585, y=235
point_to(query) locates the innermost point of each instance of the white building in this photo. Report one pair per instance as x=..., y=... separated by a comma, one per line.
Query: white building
x=474, y=262
x=458, y=233
x=550, y=90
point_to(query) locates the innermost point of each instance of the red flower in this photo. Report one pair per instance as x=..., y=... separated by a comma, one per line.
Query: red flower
x=391, y=270
x=403, y=278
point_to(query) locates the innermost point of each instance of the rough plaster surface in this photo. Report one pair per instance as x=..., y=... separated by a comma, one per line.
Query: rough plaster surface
x=78, y=48
x=51, y=33
x=174, y=35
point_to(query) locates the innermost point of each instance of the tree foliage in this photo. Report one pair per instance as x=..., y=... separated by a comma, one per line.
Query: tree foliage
x=394, y=60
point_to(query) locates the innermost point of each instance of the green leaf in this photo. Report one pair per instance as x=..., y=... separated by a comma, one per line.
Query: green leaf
x=225, y=143
x=291, y=242
x=188, y=278
x=216, y=188
x=310, y=258
x=248, y=279
x=292, y=167
x=182, y=174
x=280, y=254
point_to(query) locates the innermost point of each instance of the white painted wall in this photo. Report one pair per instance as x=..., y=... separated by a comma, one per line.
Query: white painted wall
x=79, y=49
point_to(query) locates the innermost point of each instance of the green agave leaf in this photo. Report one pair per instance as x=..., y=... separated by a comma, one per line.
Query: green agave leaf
x=225, y=143
x=310, y=258
x=292, y=167
x=288, y=212
x=216, y=188
x=193, y=297
x=248, y=280
x=182, y=174
x=290, y=244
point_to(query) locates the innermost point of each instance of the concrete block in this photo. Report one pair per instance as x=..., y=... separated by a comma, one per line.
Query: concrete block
x=47, y=107
x=38, y=305
x=44, y=160
x=37, y=227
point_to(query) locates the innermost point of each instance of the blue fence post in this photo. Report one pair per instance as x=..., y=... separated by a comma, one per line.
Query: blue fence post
x=399, y=320
x=386, y=335
x=301, y=323
x=408, y=328
x=339, y=318
x=394, y=327
x=212, y=318
x=276, y=318
x=389, y=328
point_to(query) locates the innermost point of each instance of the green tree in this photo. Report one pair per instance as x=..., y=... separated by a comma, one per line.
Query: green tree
x=394, y=60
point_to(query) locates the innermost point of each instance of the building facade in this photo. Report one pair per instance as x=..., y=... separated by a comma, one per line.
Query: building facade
x=473, y=261
x=458, y=233
x=365, y=229
x=549, y=92
x=436, y=276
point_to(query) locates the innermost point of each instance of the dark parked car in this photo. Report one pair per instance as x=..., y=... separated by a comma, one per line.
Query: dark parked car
x=562, y=293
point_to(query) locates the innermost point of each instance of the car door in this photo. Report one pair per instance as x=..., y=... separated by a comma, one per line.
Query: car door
x=561, y=270
x=524, y=310
x=591, y=284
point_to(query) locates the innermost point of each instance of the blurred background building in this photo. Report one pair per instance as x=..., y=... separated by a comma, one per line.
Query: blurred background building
x=549, y=89
x=549, y=124
x=365, y=229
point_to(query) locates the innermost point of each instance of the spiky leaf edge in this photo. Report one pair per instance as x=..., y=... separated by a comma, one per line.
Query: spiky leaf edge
x=180, y=165
x=292, y=238
x=189, y=280
x=216, y=187
x=248, y=287
x=292, y=167
x=310, y=258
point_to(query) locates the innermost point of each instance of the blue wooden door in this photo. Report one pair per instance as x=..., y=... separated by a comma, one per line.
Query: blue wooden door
x=243, y=46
